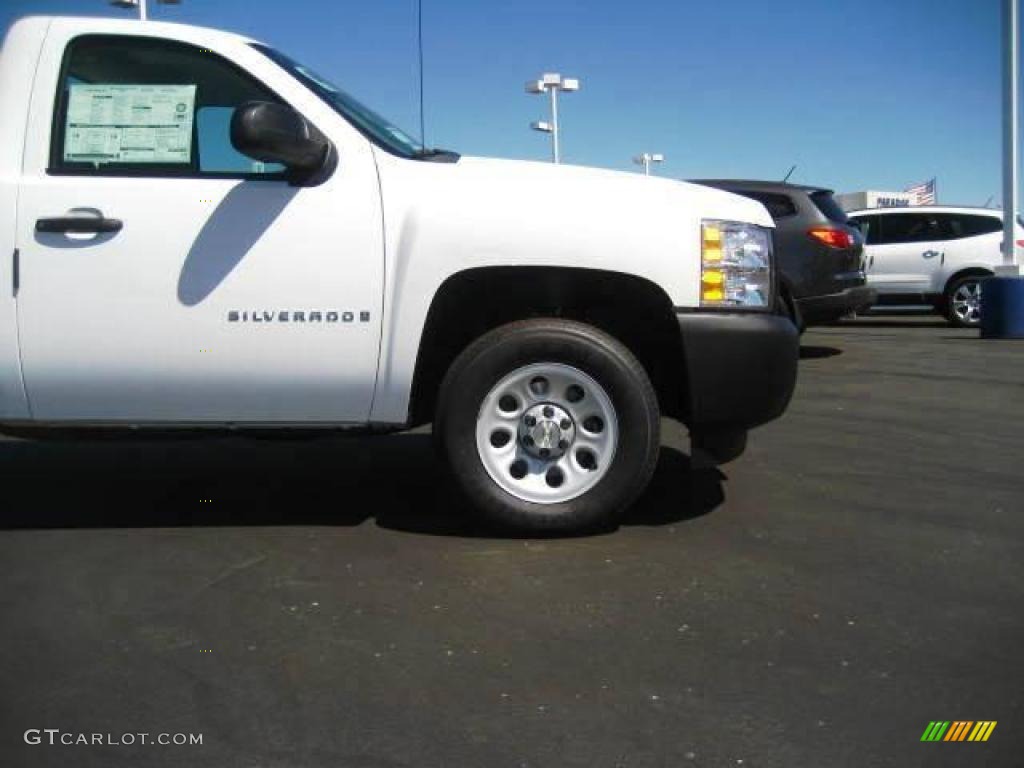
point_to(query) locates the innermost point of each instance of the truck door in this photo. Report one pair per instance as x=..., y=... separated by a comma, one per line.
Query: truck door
x=167, y=278
x=903, y=250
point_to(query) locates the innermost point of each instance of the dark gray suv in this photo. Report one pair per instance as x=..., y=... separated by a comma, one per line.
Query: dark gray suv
x=820, y=253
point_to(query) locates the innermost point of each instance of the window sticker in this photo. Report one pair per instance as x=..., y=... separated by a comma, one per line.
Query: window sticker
x=129, y=123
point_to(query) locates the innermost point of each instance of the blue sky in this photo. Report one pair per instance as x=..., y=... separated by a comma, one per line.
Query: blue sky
x=873, y=94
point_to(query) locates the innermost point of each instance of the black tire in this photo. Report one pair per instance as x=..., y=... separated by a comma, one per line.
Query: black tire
x=484, y=363
x=950, y=304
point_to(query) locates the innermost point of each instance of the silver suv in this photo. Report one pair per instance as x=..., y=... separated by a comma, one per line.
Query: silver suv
x=933, y=255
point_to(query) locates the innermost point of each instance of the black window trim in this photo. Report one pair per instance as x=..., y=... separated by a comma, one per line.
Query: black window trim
x=896, y=212
x=814, y=195
x=906, y=214
x=862, y=220
x=756, y=194
x=138, y=170
x=966, y=217
x=268, y=51
x=795, y=209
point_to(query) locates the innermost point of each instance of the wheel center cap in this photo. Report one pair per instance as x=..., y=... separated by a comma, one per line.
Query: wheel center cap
x=546, y=431
x=546, y=434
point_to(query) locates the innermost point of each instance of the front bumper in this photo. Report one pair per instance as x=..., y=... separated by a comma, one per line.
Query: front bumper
x=832, y=306
x=740, y=369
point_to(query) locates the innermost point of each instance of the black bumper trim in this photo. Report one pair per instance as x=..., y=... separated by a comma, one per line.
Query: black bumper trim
x=832, y=306
x=741, y=368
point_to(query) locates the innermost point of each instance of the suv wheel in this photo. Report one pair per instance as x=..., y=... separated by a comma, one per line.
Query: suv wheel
x=963, y=302
x=549, y=425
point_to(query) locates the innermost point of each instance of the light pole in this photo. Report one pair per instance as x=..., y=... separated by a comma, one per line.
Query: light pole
x=141, y=5
x=1002, y=296
x=647, y=158
x=1011, y=60
x=552, y=83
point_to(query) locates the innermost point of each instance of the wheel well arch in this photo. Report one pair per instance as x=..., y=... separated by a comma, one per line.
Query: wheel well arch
x=784, y=288
x=471, y=302
x=965, y=272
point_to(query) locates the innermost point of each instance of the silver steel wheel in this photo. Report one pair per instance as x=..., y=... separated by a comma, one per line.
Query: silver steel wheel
x=547, y=433
x=966, y=302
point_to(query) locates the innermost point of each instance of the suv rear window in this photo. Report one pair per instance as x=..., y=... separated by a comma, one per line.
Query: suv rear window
x=779, y=206
x=829, y=208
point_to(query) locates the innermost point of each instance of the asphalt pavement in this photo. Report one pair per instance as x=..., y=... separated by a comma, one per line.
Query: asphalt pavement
x=857, y=574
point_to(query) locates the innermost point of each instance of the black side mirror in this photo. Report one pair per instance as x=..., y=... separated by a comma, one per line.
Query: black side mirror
x=275, y=133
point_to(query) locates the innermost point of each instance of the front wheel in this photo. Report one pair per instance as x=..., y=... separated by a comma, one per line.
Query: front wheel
x=549, y=425
x=963, y=302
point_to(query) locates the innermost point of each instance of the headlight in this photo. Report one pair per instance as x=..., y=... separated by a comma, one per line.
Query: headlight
x=736, y=265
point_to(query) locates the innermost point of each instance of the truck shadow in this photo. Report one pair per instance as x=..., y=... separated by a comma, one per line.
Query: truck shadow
x=332, y=481
x=234, y=227
x=817, y=352
x=898, y=321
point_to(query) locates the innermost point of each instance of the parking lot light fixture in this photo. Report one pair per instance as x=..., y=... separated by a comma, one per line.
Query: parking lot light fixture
x=647, y=158
x=141, y=5
x=551, y=83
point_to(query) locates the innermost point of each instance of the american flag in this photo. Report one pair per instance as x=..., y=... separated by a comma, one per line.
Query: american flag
x=924, y=193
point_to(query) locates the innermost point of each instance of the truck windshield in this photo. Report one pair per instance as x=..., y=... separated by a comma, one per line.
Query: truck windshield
x=372, y=125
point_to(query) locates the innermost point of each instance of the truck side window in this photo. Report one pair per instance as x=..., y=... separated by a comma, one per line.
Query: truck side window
x=151, y=107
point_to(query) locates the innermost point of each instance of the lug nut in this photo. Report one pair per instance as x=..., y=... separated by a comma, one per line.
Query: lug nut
x=527, y=440
x=539, y=386
x=544, y=452
x=531, y=421
x=549, y=411
x=563, y=444
x=565, y=424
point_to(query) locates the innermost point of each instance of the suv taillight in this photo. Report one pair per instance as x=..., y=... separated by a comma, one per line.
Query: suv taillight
x=832, y=236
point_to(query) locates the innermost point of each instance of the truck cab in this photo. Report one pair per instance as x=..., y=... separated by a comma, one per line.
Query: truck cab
x=198, y=232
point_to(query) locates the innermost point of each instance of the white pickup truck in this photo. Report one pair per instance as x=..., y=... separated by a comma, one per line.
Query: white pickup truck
x=197, y=232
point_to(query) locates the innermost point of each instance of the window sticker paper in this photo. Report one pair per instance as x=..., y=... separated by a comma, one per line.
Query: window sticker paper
x=129, y=123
